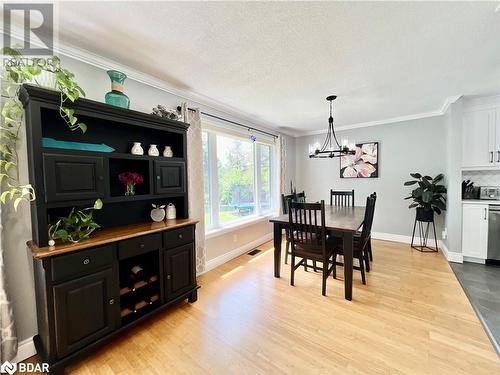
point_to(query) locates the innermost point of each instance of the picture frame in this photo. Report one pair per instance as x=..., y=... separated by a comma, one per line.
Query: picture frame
x=363, y=164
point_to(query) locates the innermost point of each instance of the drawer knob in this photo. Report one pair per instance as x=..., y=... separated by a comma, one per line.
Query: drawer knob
x=86, y=261
x=180, y=236
x=157, y=177
x=169, y=277
x=141, y=245
x=112, y=301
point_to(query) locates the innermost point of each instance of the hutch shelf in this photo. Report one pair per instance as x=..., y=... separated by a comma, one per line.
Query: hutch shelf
x=131, y=267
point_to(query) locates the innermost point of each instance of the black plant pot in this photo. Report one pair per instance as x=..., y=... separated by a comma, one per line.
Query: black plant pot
x=425, y=214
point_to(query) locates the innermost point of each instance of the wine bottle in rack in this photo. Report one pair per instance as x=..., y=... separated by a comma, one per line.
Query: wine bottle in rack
x=137, y=272
x=131, y=305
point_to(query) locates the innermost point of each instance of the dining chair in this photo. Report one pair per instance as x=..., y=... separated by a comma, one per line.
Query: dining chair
x=285, y=200
x=360, y=242
x=342, y=198
x=308, y=238
x=369, y=249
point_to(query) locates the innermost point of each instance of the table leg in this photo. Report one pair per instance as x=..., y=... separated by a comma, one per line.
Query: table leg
x=348, y=260
x=277, y=249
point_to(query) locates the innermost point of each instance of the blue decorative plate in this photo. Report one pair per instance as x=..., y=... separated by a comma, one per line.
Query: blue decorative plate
x=50, y=142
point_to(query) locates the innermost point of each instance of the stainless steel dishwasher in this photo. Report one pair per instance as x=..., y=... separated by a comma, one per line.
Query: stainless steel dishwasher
x=494, y=234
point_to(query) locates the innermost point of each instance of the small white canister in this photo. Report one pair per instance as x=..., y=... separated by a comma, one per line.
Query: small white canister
x=171, y=212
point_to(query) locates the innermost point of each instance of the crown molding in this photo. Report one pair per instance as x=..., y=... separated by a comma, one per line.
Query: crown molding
x=100, y=62
x=104, y=63
x=439, y=112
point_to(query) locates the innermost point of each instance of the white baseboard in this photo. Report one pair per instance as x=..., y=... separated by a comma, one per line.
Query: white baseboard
x=224, y=258
x=451, y=256
x=474, y=260
x=25, y=349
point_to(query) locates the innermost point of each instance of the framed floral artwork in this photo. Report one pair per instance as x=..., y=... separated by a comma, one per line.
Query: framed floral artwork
x=363, y=164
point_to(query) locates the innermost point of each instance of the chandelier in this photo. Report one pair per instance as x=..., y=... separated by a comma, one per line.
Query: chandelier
x=331, y=147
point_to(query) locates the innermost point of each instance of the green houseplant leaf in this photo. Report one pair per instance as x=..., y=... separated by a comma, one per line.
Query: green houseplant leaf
x=429, y=195
x=79, y=224
x=17, y=71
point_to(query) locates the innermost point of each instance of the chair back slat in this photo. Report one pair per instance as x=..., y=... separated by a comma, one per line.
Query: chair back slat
x=307, y=226
x=368, y=220
x=342, y=198
x=297, y=197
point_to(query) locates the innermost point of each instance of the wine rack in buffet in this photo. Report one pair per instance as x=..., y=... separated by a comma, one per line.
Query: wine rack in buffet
x=139, y=285
x=131, y=267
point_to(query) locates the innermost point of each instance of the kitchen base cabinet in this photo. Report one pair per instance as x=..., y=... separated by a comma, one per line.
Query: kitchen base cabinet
x=83, y=292
x=475, y=230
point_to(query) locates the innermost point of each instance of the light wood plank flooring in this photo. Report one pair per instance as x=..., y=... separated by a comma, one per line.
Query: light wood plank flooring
x=412, y=317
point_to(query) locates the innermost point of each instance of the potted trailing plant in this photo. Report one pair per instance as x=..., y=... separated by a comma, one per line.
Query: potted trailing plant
x=78, y=225
x=17, y=71
x=428, y=197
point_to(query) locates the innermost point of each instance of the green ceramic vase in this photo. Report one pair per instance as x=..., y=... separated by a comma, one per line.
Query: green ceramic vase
x=116, y=96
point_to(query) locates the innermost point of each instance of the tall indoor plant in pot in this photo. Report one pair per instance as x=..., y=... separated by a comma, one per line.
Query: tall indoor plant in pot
x=428, y=197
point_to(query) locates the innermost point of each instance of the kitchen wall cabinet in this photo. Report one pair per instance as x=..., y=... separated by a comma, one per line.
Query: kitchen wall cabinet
x=475, y=230
x=481, y=138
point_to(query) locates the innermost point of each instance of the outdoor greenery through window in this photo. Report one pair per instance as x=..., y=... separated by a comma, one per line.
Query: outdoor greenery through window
x=237, y=177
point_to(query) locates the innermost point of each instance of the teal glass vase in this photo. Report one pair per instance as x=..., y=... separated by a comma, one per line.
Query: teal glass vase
x=116, y=96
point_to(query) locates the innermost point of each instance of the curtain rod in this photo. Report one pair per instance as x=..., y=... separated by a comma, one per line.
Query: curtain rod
x=235, y=123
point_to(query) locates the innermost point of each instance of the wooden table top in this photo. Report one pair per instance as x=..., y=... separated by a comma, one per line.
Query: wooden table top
x=105, y=236
x=345, y=219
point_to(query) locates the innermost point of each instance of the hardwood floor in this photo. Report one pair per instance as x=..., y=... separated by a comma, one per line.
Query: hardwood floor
x=412, y=317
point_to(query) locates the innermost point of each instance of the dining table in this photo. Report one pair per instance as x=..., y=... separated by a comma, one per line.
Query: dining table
x=340, y=221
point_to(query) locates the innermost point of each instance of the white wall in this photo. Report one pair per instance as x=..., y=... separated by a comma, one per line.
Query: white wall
x=404, y=147
x=454, y=123
x=17, y=227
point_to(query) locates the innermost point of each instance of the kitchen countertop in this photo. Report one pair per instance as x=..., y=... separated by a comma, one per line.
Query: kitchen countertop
x=480, y=201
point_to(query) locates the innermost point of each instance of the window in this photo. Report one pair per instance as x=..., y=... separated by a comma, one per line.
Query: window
x=238, y=179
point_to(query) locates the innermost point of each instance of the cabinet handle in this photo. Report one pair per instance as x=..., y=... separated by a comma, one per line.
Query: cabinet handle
x=157, y=177
x=491, y=156
x=86, y=261
x=112, y=301
x=101, y=178
x=485, y=212
x=498, y=156
x=169, y=277
x=141, y=245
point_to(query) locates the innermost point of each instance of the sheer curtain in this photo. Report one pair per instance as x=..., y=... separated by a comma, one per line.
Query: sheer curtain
x=8, y=339
x=282, y=165
x=196, y=191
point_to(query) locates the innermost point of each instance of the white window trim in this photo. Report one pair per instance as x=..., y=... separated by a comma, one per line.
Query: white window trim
x=259, y=216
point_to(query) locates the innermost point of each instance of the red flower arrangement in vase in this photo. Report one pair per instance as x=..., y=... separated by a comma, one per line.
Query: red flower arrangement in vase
x=130, y=179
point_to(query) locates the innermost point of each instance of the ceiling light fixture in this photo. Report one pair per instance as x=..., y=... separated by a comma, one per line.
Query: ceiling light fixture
x=328, y=150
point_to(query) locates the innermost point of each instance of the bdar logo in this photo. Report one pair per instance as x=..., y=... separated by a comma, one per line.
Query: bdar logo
x=8, y=368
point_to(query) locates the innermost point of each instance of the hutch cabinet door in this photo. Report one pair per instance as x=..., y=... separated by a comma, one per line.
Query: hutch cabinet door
x=85, y=310
x=170, y=177
x=70, y=177
x=179, y=270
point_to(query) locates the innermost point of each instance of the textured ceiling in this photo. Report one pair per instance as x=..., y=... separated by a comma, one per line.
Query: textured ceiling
x=278, y=61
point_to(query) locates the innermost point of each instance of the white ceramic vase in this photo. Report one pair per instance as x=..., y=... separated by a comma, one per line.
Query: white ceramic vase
x=171, y=211
x=168, y=153
x=153, y=151
x=137, y=149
